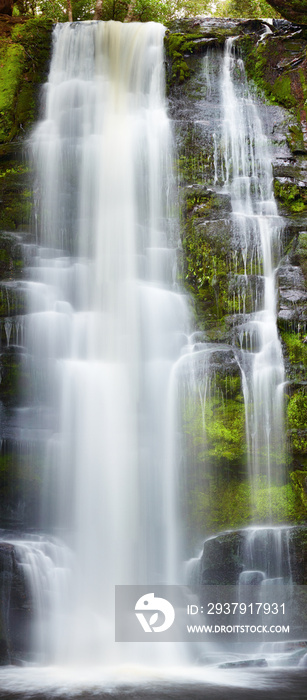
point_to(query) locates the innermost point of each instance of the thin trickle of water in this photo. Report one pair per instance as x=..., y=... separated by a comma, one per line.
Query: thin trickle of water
x=257, y=228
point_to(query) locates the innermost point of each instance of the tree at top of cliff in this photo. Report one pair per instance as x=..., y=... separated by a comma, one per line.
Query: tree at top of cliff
x=245, y=9
x=293, y=10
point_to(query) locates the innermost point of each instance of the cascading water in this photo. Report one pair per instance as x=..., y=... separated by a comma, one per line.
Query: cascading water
x=247, y=172
x=105, y=325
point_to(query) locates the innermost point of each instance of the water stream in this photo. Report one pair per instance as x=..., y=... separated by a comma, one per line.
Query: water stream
x=105, y=325
x=247, y=170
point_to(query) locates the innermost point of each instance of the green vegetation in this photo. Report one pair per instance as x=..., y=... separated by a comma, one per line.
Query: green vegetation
x=12, y=58
x=290, y=195
x=301, y=252
x=57, y=9
x=293, y=10
x=209, y=270
x=245, y=8
x=296, y=347
x=16, y=196
x=23, y=60
x=137, y=10
x=215, y=432
x=176, y=46
x=228, y=505
x=206, y=272
x=299, y=486
x=297, y=420
x=281, y=91
x=214, y=425
x=145, y=10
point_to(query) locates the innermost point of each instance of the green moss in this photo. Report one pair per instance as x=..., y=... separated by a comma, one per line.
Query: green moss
x=281, y=90
x=12, y=62
x=261, y=65
x=295, y=138
x=179, y=44
x=299, y=486
x=205, y=272
x=297, y=420
x=290, y=195
x=200, y=202
x=195, y=158
x=23, y=61
x=14, y=170
x=214, y=430
x=301, y=252
x=207, y=268
x=15, y=212
x=296, y=347
x=228, y=505
x=176, y=46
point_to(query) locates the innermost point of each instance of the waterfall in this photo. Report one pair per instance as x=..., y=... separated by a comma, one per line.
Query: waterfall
x=105, y=326
x=112, y=368
x=257, y=228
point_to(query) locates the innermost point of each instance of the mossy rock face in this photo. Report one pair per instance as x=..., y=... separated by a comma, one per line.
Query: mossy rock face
x=196, y=36
x=24, y=57
x=12, y=298
x=297, y=421
x=12, y=58
x=194, y=163
x=299, y=485
x=15, y=190
x=292, y=194
x=213, y=266
x=226, y=502
x=278, y=65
